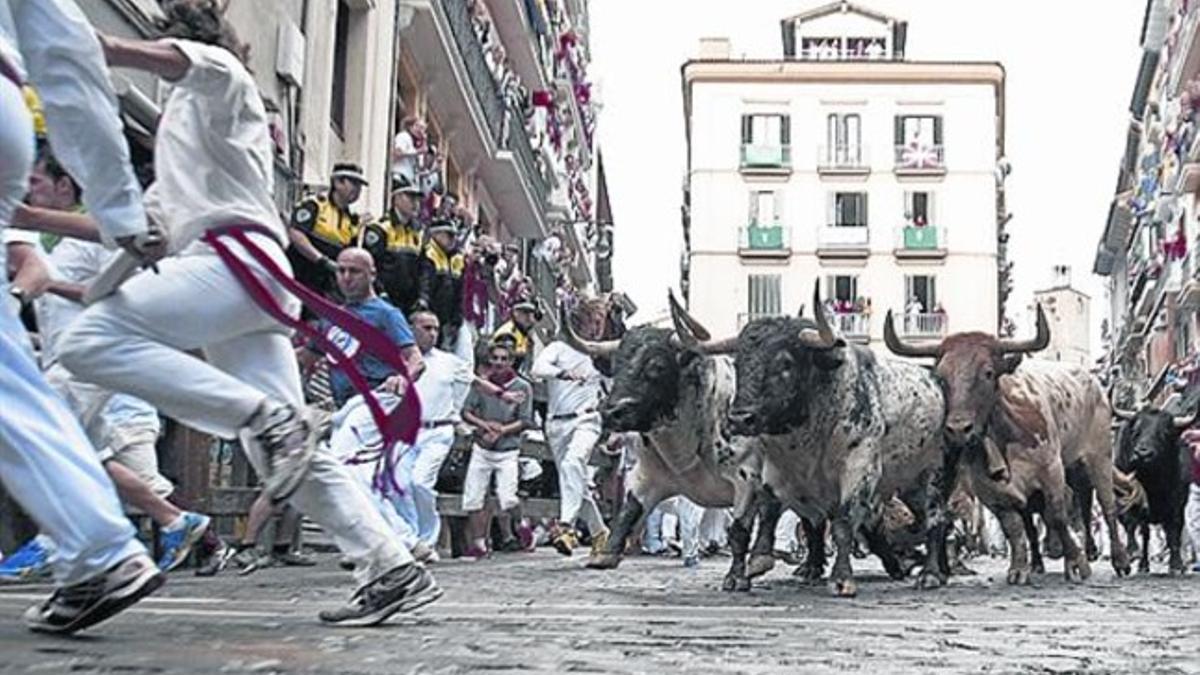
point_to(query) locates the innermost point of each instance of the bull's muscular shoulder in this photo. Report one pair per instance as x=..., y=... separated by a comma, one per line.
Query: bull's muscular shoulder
x=1047, y=397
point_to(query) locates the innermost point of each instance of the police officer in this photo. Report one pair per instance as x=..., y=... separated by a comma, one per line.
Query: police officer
x=396, y=243
x=323, y=225
x=441, y=278
x=515, y=332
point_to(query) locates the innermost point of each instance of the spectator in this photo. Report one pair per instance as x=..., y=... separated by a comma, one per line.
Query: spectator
x=496, y=451
x=443, y=388
x=573, y=427
x=396, y=243
x=440, y=279
x=406, y=149
x=323, y=225
x=1192, y=512
x=516, y=331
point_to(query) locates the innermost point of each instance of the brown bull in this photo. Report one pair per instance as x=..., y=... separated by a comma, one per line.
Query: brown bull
x=1039, y=418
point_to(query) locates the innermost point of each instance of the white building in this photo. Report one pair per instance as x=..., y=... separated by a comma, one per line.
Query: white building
x=844, y=163
x=1068, y=312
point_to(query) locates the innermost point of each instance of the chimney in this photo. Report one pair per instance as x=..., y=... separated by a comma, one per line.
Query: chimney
x=714, y=49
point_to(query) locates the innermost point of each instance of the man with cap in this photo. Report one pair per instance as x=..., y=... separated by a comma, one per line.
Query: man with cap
x=395, y=242
x=323, y=225
x=515, y=331
x=441, y=277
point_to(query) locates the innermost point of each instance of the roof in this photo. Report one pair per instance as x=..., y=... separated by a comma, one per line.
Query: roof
x=841, y=6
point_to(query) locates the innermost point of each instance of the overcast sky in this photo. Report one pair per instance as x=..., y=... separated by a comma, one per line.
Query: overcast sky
x=1071, y=67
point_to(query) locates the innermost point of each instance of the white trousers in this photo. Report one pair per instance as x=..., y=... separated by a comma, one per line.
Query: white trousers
x=1191, y=516
x=46, y=461
x=786, y=539
x=417, y=476
x=571, y=442
x=484, y=463
x=356, y=436
x=135, y=341
x=687, y=515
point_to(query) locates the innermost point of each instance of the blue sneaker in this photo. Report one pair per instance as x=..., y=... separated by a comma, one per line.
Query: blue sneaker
x=31, y=561
x=1196, y=567
x=176, y=544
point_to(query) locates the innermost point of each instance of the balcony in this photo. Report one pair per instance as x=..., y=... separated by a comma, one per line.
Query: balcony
x=920, y=243
x=765, y=158
x=545, y=284
x=923, y=325
x=920, y=161
x=843, y=160
x=1189, y=295
x=764, y=241
x=844, y=242
x=521, y=43
x=854, y=326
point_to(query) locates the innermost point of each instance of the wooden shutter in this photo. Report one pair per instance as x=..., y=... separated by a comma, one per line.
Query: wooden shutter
x=747, y=129
x=785, y=130
x=862, y=209
x=937, y=130
x=899, y=129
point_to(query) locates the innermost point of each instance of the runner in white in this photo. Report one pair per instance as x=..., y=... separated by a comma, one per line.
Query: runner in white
x=214, y=169
x=46, y=462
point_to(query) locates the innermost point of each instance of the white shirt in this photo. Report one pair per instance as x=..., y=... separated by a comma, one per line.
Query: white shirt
x=567, y=397
x=444, y=386
x=213, y=158
x=74, y=261
x=406, y=163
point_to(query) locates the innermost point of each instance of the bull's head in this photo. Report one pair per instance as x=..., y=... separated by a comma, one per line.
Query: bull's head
x=651, y=366
x=1149, y=436
x=970, y=366
x=780, y=360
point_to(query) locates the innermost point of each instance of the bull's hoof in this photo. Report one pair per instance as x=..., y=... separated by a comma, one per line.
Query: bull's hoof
x=1093, y=553
x=1174, y=571
x=1120, y=562
x=1018, y=577
x=843, y=588
x=1078, y=569
x=809, y=574
x=1038, y=567
x=928, y=579
x=759, y=565
x=735, y=584
x=959, y=569
x=603, y=561
x=1143, y=567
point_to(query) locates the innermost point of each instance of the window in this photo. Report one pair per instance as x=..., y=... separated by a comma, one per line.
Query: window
x=341, y=46
x=847, y=209
x=764, y=295
x=841, y=288
x=766, y=130
x=920, y=294
x=843, y=139
x=918, y=208
x=918, y=130
x=766, y=207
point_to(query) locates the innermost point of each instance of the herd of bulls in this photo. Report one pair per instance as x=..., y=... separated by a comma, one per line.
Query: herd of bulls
x=788, y=415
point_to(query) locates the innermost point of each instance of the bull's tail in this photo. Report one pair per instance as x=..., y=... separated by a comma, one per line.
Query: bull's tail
x=1129, y=492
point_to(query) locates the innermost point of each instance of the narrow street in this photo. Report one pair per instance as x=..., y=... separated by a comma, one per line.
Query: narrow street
x=540, y=612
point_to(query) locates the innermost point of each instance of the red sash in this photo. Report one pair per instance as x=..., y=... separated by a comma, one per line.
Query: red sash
x=404, y=421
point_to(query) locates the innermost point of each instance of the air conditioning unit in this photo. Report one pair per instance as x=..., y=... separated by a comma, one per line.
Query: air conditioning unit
x=289, y=55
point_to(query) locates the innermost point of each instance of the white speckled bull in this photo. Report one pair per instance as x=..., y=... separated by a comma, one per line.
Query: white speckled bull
x=842, y=432
x=1043, y=418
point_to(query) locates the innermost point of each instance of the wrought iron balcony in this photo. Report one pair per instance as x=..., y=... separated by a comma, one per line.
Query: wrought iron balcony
x=764, y=240
x=771, y=157
x=920, y=158
x=923, y=325
x=482, y=82
x=842, y=159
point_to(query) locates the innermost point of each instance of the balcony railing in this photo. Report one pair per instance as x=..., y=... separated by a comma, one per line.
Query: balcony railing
x=922, y=238
x=518, y=143
x=766, y=156
x=764, y=238
x=920, y=157
x=833, y=236
x=923, y=325
x=852, y=157
x=482, y=82
x=852, y=324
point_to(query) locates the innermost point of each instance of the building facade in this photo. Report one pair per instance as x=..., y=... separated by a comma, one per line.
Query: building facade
x=1147, y=251
x=843, y=163
x=1068, y=311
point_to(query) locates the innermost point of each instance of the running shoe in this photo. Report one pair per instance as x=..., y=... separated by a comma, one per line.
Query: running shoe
x=177, y=543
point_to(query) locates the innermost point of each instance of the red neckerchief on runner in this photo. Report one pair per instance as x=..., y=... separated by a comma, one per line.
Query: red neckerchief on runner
x=403, y=423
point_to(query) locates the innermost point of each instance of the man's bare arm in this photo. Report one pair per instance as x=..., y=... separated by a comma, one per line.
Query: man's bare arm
x=65, y=223
x=154, y=56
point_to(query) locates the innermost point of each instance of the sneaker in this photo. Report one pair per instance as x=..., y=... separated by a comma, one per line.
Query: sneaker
x=525, y=536
x=424, y=553
x=87, y=603
x=177, y=543
x=600, y=543
x=289, y=440
x=475, y=552
x=564, y=541
x=253, y=560
x=1196, y=567
x=295, y=559
x=691, y=561
x=217, y=561
x=31, y=561
x=401, y=590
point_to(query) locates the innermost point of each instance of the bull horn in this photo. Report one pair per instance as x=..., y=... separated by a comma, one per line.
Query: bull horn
x=1128, y=491
x=1117, y=411
x=678, y=313
x=592, y=348
x=901, y=348
x=690, y=334
x=824, y=337
x=1037, y=344
x=800, y=313
x=1185, y=421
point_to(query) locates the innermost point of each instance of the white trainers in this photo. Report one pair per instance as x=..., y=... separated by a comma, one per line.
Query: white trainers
x=87, y=603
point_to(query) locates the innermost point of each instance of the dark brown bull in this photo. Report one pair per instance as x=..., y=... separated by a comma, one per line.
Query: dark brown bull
x=1039, y=418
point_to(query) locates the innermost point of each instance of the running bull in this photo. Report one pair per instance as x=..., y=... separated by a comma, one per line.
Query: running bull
x=1149, y=452
x=675, y=393
x=1019, y=429
x=842, y=432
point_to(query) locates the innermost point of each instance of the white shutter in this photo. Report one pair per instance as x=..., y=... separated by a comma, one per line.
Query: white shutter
x=778, y=194
x=831, y=209
x=753, y=208
x=909, y=207
x=931, y=209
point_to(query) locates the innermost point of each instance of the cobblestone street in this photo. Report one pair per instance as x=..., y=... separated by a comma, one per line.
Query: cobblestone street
x=540, y=612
